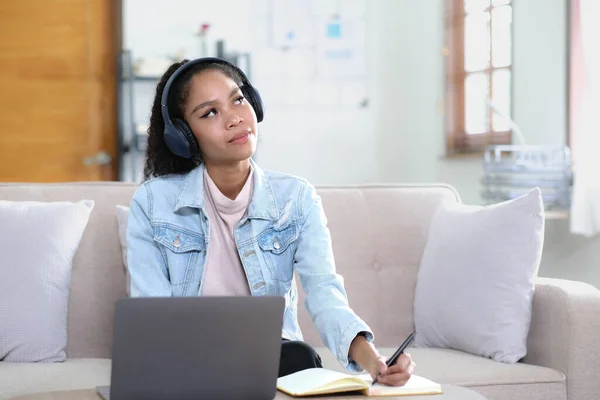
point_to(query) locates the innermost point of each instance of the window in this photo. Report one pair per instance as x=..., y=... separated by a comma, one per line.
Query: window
x=478, y=74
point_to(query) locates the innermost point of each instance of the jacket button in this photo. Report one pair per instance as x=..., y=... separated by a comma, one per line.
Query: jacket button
x=177, y=242
x=276, y=244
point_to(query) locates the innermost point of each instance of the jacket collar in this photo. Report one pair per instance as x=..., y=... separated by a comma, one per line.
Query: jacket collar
x=263, y=204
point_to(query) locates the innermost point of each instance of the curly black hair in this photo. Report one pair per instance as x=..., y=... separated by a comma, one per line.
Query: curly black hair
x=160, y=160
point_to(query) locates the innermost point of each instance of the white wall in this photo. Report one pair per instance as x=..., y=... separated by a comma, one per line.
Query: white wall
x=325, y=144
x=408, y=39
x=540, y=77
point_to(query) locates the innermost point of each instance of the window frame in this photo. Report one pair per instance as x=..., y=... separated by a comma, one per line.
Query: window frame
x=458, y=141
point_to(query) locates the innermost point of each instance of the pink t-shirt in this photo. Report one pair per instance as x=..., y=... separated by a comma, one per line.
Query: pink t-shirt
x=224, y=274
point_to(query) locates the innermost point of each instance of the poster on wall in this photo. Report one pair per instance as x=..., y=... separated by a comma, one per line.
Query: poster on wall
x=318, y=47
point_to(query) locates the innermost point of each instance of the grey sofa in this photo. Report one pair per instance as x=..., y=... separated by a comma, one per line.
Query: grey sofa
x=379, y=267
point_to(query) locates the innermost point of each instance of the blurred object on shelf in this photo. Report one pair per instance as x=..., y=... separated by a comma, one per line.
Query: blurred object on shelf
x=510, y=171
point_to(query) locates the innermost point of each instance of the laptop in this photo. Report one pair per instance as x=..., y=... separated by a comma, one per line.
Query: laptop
x=195, y=348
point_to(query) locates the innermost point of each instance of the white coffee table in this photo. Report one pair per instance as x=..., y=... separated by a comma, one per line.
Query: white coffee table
x=450, y=393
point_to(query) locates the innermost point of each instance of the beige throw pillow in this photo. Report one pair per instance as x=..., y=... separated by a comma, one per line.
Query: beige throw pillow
x=475, y=284
x=37, y=243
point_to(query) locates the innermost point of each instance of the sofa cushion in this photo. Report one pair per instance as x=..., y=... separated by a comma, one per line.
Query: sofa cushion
x=38, y=241
x=493, y=379
x=79, y=373
x=474, y=290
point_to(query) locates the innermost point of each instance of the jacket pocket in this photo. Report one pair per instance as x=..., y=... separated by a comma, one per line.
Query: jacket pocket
x=278, y=247
x=183, y=249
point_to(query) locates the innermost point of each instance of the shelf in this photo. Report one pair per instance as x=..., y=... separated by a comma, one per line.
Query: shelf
x=154, y=79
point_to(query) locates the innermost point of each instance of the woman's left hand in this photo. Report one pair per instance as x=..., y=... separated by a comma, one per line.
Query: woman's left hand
x=394, y=375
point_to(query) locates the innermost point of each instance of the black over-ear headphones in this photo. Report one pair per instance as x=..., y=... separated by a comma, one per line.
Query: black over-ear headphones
x=179, y=138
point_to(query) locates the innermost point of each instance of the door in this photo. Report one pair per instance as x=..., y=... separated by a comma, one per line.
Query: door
x=58, y=90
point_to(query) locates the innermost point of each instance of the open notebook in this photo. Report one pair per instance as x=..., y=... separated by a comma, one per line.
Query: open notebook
x=315, y=381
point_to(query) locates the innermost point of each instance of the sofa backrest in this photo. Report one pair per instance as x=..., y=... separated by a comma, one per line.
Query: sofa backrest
x=378, y=237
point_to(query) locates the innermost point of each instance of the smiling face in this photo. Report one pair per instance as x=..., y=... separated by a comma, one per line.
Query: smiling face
x=221, y=118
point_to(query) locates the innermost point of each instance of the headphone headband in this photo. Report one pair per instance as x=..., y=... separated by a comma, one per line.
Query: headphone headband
x=203, y=60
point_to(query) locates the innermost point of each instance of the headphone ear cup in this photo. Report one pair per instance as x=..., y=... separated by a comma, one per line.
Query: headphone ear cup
x=175, y=140
x=187, y=136
x=253, y=97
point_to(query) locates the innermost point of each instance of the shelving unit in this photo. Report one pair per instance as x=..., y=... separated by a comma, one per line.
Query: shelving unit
x=132, y=137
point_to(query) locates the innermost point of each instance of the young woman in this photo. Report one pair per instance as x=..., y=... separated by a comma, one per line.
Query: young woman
x=208, y=221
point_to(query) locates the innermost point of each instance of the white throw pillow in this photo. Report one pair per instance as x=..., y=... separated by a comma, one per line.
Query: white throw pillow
x=122, y=218
x=37, y=243
x=475, y=285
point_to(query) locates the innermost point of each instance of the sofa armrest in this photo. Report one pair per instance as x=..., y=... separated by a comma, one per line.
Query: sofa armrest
x=565, y=334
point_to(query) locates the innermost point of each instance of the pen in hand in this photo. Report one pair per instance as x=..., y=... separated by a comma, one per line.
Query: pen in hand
x=392, y=360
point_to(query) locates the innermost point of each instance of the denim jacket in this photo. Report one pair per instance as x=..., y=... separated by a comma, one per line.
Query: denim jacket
x=284, y=229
